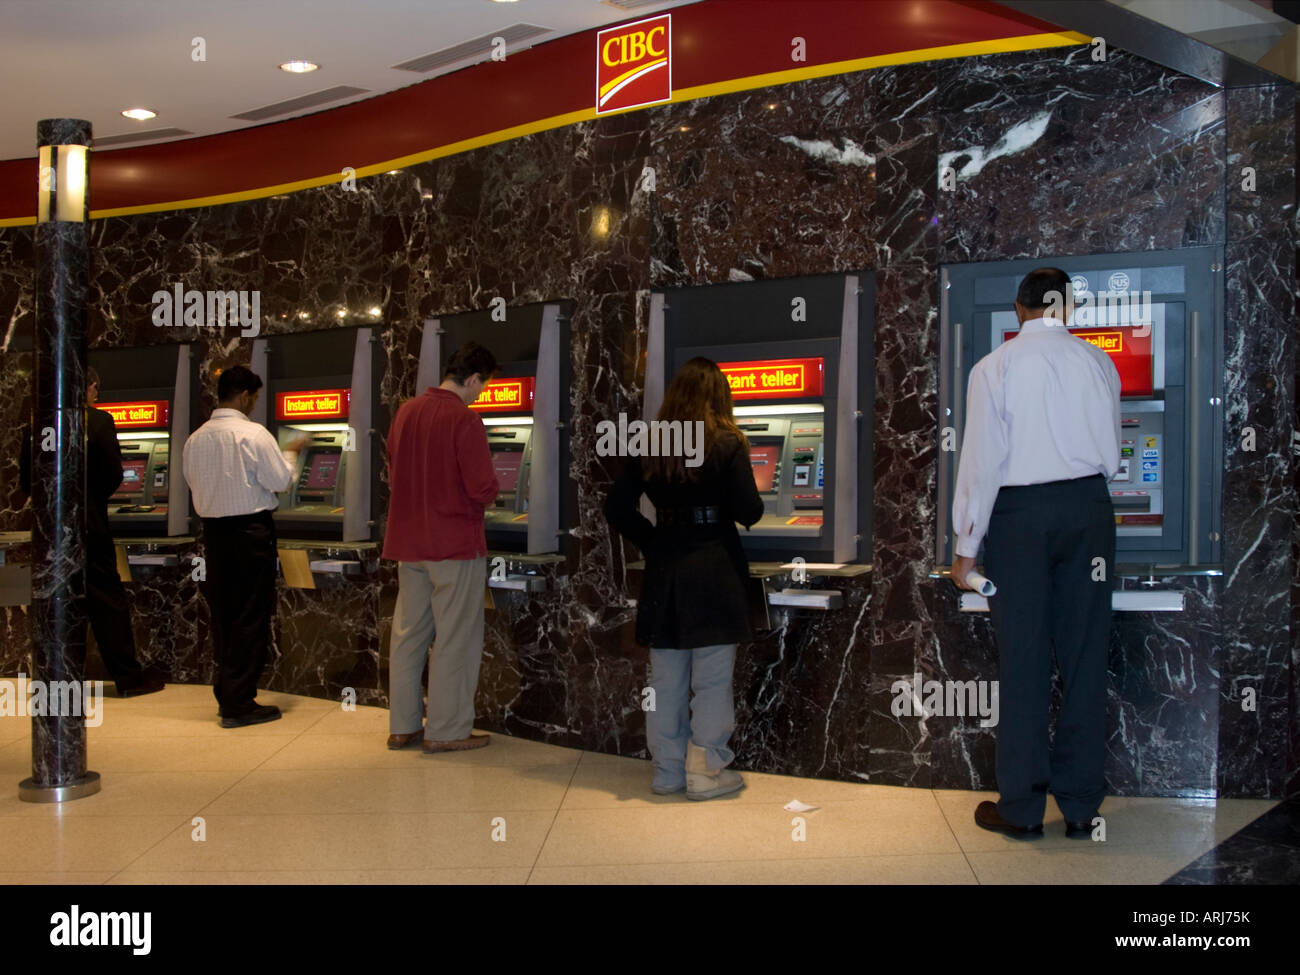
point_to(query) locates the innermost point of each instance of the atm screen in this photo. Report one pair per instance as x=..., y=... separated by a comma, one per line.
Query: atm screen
x=764, y=459
x=1131, y=352
x=322, y=471
x=133, y=468
x=506, y=464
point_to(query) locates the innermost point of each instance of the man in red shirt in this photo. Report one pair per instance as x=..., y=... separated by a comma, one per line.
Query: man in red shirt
x=441, y=476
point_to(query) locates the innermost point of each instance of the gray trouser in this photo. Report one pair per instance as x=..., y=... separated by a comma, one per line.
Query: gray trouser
x=449, y=592
x=673, y=723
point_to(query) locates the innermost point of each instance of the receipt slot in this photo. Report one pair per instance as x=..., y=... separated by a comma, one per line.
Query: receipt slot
x=525, y=410
x=323, y=385
x=1158, y=315
x=152, y=395
x=798, y=355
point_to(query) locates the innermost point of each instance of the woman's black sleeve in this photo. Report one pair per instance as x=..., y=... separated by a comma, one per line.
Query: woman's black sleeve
x=621, y=506
x=746, y=504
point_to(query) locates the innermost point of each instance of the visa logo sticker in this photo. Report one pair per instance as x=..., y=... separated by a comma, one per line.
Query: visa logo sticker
x=633, y=65
x=1150, y=452
x=1150, y=477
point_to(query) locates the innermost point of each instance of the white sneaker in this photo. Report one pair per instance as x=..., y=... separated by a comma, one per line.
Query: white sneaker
x=702, y=783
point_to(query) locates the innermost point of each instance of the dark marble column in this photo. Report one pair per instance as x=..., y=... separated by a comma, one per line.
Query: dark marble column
x=58, y=623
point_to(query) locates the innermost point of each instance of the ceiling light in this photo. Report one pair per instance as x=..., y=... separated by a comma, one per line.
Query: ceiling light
x=140, y=114
x=375, y=312
x=299, y=67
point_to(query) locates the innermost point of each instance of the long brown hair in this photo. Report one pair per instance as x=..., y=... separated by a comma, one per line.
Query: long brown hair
x=699, y=391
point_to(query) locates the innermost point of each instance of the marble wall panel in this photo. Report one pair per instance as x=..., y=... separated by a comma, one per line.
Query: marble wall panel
x=1053, y=153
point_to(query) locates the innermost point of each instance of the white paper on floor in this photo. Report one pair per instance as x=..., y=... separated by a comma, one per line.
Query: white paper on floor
x=794, y=805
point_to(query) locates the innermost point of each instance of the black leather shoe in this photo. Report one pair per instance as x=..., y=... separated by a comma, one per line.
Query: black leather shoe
x=1081, y=830
x=146, y=685
x=987, y=817
x=258, y=714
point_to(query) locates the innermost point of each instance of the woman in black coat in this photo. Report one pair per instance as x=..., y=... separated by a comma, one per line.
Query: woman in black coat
x=693, y=609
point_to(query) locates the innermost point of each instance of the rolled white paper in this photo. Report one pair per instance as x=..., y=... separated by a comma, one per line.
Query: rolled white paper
x=980, y=584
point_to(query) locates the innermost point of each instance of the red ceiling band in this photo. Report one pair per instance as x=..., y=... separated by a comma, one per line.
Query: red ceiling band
x=713, y=43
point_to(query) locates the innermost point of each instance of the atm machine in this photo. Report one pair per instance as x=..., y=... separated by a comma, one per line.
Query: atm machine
x=324, y=385
x=525, y=409
x=506, y=406
x=1159, y=316
x=798, y=355
x=152, y=394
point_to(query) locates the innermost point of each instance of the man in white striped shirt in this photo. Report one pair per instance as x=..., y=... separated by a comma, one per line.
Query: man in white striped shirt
x=234, y=468
x=1041, y=441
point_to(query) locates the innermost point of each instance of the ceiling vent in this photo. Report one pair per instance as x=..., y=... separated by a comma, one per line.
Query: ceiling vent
x=310, y=100
x=475, y=49
x=145, y=136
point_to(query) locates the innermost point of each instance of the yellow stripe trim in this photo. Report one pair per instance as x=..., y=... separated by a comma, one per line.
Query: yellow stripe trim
x=1026, y=43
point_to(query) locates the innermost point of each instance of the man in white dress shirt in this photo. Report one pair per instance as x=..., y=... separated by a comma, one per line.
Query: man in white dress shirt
x=1041, y=442
x=234, y=468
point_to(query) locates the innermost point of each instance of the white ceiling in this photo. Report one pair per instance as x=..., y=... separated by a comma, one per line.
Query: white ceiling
x=93, y=58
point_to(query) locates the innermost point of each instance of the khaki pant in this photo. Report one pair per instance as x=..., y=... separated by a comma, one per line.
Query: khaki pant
x=449, y=592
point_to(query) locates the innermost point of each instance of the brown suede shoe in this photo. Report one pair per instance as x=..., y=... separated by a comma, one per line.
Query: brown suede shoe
x=403, y=741
x=462, y=745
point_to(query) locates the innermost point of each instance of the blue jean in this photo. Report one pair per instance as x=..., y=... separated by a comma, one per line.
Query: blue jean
x=673, y=722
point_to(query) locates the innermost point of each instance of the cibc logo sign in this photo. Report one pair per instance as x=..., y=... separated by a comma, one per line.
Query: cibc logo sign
x=634, y=64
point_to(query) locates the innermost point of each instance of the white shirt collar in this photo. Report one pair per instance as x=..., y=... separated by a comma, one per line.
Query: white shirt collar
x=1041, y=325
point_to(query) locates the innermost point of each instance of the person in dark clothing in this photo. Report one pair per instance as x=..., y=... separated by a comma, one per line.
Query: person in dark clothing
x=1042, y=440
x=235, y=468
x=693, y=610
x=106, y=604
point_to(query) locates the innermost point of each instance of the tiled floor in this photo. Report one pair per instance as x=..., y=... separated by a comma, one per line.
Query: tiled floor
x=317, y=798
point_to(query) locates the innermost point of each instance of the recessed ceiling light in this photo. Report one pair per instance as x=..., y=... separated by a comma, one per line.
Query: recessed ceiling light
x=299, y=67
x=140, y=114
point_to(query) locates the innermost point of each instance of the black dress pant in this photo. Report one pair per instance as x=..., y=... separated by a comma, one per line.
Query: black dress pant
x=108, y=612
x=1040, y=550
x=240, y=591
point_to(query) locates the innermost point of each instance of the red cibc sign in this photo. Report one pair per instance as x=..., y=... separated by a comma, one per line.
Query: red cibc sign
x=775, y=378
x=506, y=395
x=633, y=64
x=137, y=416
x=313, y=404
x=1129, y=350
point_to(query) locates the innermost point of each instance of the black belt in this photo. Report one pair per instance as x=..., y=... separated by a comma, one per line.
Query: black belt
x=711, y=515
x=239, y=520
x=1052, y=484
